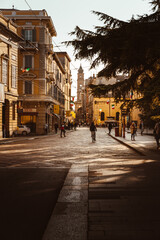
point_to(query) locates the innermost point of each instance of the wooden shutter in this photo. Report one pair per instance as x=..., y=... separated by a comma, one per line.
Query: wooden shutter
x=34, y=35
x=23, y=33
x=28, y=61
x=28, y=87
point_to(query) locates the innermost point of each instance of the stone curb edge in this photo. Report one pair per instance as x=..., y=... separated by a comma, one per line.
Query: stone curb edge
x=128, y=145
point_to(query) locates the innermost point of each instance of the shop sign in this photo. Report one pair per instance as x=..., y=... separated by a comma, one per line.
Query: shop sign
x=124, y=112
x=68, y=113
x=1, y=93
x=56, y=109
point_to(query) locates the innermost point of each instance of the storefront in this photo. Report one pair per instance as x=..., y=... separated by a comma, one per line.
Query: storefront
x=28, y=117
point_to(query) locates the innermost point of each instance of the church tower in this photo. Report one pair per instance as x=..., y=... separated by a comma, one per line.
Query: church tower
x=80, y=83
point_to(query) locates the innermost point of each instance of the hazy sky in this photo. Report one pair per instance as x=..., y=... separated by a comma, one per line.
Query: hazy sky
x=66, y=14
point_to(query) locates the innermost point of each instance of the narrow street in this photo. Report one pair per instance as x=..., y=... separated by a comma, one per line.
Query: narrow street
x=70, y=188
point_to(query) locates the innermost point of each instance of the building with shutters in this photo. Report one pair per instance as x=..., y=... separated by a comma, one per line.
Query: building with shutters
x=41, y=75
x=8, y=76
x=65, y=61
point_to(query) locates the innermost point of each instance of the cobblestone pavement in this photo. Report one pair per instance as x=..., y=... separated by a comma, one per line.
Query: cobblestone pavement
x=110, y=192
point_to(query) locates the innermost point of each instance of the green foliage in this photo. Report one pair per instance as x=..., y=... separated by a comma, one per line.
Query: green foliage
x=132, y=48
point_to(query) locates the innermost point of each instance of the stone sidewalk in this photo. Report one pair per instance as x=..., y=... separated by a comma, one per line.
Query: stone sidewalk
x=144, y=144
x=69, y=220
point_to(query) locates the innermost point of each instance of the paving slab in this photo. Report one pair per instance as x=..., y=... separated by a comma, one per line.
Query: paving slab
x=69, y=220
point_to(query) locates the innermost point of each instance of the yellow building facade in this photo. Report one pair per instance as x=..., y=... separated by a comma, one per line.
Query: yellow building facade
x=105, y=109
x=8, y=76
x=65, y=61
x=41, y=75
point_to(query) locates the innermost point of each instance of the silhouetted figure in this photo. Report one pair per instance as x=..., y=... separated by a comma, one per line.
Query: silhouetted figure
x=157, y=132
x=109, y=128
x=56, y=127
x=141, y=126
x=93, y=130
x=63, y=131
x=133, y=131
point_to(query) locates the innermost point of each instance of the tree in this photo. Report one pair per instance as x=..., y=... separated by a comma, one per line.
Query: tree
x=132, y=48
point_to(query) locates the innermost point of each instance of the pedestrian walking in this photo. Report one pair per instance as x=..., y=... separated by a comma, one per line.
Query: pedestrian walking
x=109, y=128
x=4, y=130
x=46, y=128
x=128, y=125
x=69, y=125
x=75, y=125
x=141, y=126
x=63, y=131
x=133, y=131
x=157, y=132
x=56, y=127
x=93, y=130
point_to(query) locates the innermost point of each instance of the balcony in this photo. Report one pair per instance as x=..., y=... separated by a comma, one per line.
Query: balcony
x=28, y=45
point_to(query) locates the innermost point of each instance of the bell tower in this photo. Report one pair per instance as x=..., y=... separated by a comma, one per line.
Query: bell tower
x=80, y=83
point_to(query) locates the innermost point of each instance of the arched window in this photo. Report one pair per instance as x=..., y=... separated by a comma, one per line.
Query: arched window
x=117, y=116
x=102, y=116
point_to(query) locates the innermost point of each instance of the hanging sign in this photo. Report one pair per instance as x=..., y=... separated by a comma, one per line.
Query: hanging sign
x=124, y=112
x=56, y=109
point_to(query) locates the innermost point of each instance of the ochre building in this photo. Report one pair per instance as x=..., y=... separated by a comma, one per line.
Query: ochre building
x=41, y=75
x=8, y=76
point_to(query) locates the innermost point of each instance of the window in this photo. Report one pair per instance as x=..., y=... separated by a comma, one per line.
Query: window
x=57, y=74
x=117, y=116
x=59, y=96
x=102, y=116
x=55, y=92
x=4, y=71
x=28, y=61
x=29, y=34
x=14, y=80
x=28, y=87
